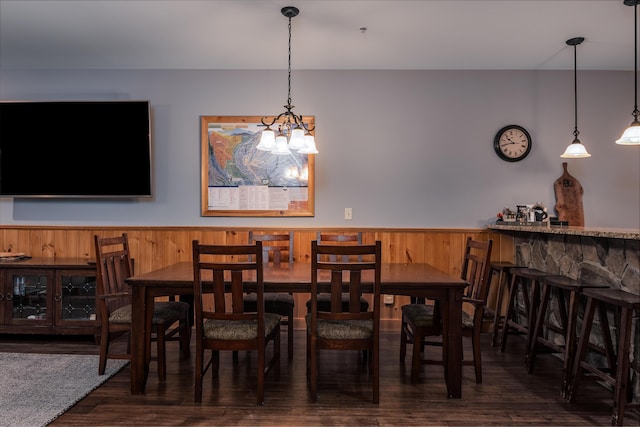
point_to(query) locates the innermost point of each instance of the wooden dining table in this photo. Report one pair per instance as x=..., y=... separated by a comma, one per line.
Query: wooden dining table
x=416, y=280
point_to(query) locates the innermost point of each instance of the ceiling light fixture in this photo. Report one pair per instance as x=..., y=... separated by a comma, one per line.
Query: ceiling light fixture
x=631, y=136
x=575, y=150
x=293, y=133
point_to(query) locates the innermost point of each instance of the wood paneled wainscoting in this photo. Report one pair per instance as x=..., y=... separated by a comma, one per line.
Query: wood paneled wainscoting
x=156, y=247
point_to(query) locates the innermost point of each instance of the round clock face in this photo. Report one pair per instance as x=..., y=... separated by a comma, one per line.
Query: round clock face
x=512, y=143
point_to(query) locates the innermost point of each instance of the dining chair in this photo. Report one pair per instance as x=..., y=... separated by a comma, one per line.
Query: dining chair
x=226, y=325
x=170, y=318
x=344, y=330
x=420, y=321
x=276, y=248
x=324, y=299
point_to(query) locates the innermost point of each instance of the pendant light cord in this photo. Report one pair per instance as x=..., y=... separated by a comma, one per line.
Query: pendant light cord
x=575, y=90
x=635, y=113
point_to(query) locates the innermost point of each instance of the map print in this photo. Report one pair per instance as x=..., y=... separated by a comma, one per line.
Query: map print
x=241, y=177
x=234, y=159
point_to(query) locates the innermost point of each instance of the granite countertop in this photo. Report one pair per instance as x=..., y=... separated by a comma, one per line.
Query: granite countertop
x=611, y=233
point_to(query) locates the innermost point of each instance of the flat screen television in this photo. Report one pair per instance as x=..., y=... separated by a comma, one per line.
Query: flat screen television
x=98, y=149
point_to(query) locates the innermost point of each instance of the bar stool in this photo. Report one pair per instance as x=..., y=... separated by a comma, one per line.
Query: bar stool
x=561, y=286
x=617, y=372
x=503, y=270
x=527, y=280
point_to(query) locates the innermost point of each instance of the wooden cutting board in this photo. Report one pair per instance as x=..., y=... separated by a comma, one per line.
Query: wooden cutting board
x=569, y=198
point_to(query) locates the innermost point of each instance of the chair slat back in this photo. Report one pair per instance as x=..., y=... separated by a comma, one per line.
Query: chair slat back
x=339, y=239
x=276, y=247
x=226, y=271
x=113, y=265
x=346, y=275
x=475, y=268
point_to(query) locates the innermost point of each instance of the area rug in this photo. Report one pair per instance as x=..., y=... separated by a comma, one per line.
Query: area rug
x=35, y=389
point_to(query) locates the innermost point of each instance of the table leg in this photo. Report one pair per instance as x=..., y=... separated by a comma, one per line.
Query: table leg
x=454, y=343
x=570, y=342
x=140, y=339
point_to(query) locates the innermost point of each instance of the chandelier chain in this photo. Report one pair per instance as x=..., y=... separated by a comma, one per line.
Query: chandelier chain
x=289, y=69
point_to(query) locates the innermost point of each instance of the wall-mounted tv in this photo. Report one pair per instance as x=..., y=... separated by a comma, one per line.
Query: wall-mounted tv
x=75, y=149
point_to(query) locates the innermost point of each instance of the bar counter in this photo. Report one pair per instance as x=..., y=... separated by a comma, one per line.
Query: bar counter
x=611, y=233
x=604, y=256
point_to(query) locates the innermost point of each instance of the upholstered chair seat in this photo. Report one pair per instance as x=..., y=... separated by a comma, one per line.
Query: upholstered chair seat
x=343, y=329
x=166, y=312
x=215, y=329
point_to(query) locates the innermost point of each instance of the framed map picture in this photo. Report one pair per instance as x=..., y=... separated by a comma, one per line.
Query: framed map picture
x=237, y=179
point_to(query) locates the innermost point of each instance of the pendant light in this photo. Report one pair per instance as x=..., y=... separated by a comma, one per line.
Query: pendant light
x=575, y=150
x=631, y=135
x=292, y=132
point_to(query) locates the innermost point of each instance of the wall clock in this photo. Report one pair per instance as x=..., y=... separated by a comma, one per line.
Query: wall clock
x=512, y=143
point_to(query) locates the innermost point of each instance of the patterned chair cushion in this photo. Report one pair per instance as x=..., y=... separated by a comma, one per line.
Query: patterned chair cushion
x=163, y=312
x=238, y=329
x=273, y=302
x=421, y=315
x=343, y=329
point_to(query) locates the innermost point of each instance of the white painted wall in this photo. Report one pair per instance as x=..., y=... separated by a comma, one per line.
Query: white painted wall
x=401, y=148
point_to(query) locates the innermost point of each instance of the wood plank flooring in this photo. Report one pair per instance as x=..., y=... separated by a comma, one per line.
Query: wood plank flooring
x=508, y=396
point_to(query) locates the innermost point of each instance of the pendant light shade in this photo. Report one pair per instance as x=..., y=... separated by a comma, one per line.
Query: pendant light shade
x=292, y=132
x=575, y=150
x=631, y=135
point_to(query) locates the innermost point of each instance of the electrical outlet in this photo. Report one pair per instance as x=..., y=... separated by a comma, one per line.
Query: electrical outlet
x=348, y=213
x=388, y=299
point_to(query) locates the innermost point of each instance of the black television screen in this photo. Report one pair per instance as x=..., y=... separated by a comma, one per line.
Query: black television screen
x=75, y=149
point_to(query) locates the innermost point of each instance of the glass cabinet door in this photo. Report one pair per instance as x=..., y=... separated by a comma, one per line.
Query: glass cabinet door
x=29, y=299
x=76, y=297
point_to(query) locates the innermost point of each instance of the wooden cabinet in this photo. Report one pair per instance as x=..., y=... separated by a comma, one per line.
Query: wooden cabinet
x=48, y=296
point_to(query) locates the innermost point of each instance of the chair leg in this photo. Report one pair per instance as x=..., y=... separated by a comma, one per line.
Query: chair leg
x=104, y=351
x=532, y=352
x=375, y=358
x=583, y=344
x=313, y=370
x=276, y=355
x=162, y=362
x=508, y=313
x=290, y=333
x=260, y=380
x=415, y=358
x=622, y=393
x=498, y=317
x=215, y=363
x=477, y=354
x=185, y=338
x=403, y=341
x=198, y=374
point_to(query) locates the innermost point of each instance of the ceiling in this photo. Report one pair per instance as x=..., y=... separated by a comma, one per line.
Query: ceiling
x=252, y=34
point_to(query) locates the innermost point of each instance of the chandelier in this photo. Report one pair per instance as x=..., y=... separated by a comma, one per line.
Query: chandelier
x=631, y=135
x=575, y=150
x=292, y=132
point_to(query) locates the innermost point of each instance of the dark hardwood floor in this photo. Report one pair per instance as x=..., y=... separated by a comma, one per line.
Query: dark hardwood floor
x=508, y=396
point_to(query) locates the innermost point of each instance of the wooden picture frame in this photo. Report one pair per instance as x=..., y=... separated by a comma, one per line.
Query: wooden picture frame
x=237, y=179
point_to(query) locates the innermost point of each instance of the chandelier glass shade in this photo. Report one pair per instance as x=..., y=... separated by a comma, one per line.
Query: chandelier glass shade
x=575, y=150
x=287, y=131
x=631, y=136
